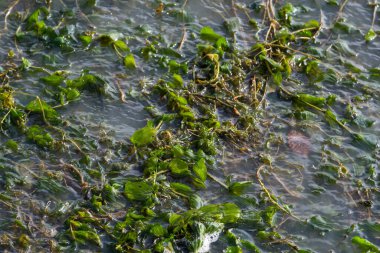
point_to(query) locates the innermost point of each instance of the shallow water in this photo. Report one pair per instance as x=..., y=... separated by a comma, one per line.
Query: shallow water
x=329, y=199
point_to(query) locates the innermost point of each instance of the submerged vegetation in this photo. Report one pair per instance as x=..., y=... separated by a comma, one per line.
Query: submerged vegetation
x=214, y=104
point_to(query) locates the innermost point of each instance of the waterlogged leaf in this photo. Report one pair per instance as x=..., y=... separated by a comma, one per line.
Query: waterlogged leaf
x=332, y=2
x=169, y=52
x=320, y=223
x=158, y=230
x=54, y=79
x=144, y=136
x=179, y=167
x=181, y=188
x=40, y=136
x=176, y=67
x=12, y=145
x=277, y=78
x=331, y=117
x=232, y=25
x=86, y=236
x=275, y=65
x=139, y=191
x=362, y=142
x=195, y=201
x=250, y=246
x=120, y=45
x=85, y=39
x=310, y=99
x=342, y=48
x=285, y=14
x=129, y=61
x=35, y=16
x=224, y=213
x=40, y=106
x=51, y=185
x=71, y=94
x=370, y=35
x=314, y=72
x=207, y=33
x=268, y=215
x=108, y=39
x=88, y=82
x=238, y=188
x=200, y=170
x=26, y=64
x=177, y=81
x=364, y=245
x=267, y=235
x=233, y=249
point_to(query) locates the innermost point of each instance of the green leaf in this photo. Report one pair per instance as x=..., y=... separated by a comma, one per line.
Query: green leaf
x=177, y=81
x=233, y=249
x=40, y=136
x=169, y=52
x=181, y=188
x=72, y=94
x=273, y=63
x=331, y=117
x=12, y=145
x=144, y=136
x=200, y=169
x=26, y=64
x=88, y=82
x=157, y=230
x=120, y=45
x=310, y=99
x=179, y=167
x=85, y=39
x=320, y=223
x=237, y=188
x=364, y=245
x=277, y=78
x=207, y=33
x=139, y=191
x=129, y=61
x=370, y=35
x=54, y=79
x=85, y=236
x=40, y=106
x=224, y=213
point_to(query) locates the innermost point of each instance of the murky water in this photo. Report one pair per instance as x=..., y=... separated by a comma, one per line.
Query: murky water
x=329, y=186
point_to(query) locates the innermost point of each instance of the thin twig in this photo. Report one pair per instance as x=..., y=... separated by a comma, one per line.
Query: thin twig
x=121, y=92
x=7, y=13
x=217, y=180
x=183, y=38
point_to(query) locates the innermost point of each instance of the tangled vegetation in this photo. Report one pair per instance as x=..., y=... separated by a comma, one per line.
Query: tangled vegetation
x=148, y=193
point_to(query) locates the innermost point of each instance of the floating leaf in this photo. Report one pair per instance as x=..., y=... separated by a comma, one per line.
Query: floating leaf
x=40, y=106
x=140, y=191
x=181, y=188
x=120, y=45
x=207, y=33
x=273, y=63
x=179, y=167
x=200, y=169
x=320, y=223
x=237, y=188
x=129, y=61
x=144, y=136
x=310, y=99
x=365, y=245
x=40, y=136
x=54, y=79
x=370, y=35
